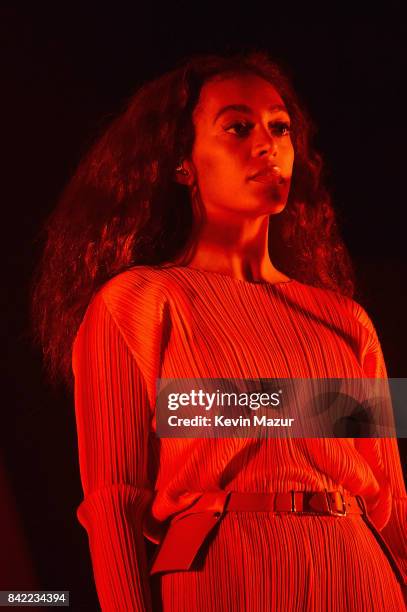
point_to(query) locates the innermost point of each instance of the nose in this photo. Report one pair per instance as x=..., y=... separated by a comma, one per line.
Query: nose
x=265, y=145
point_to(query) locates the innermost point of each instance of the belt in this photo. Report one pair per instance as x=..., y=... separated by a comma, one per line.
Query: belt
x=190, y=528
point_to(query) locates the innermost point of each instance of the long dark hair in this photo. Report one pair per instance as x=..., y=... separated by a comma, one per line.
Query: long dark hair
x=123, y=208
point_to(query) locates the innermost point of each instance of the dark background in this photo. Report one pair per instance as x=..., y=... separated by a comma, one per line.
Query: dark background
x=66, y=71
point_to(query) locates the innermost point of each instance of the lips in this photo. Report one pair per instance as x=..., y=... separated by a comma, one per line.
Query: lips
x=269, y=174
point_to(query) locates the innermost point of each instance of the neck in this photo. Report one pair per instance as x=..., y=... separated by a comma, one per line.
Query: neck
x=237, y=250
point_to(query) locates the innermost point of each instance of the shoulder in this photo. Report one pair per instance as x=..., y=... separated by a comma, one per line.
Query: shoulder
x=127, y=310
x=140, y=291
x=337, y=307
x=134, y=280
x=132, y=302
x=131, y=305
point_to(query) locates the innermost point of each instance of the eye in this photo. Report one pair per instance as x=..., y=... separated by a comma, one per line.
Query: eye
x=281, y=128
x=241, y=128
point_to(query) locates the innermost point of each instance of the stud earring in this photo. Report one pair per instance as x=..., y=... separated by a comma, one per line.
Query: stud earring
x=181, y=170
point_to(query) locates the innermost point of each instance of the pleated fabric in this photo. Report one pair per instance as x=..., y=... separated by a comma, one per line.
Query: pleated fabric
x=178, y=322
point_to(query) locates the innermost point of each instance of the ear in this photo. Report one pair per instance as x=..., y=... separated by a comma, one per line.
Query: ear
x=185, y=173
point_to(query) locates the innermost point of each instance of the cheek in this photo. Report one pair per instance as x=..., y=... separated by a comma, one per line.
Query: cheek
x=215, y=163
x=289, y=155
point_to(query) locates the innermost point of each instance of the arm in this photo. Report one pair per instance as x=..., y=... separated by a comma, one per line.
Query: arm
x=383, y=456
x=112, y=418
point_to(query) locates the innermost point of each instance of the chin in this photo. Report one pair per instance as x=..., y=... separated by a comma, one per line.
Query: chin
x=278, y=209
x=272, y=206
x=264, y=206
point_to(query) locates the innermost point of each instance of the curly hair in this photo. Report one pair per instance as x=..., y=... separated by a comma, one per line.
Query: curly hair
x=123, y=207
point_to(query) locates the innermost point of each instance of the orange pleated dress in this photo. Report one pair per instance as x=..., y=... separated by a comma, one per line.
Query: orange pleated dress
x=154, y=322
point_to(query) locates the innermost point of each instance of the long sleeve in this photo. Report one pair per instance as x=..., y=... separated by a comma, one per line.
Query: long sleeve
x=383, y=456
x=112, y=417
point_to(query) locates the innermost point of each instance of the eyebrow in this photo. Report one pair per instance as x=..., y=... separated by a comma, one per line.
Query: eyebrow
x=246, y=109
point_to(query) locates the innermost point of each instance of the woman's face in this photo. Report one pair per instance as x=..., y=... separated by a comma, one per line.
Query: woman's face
x=241, y=128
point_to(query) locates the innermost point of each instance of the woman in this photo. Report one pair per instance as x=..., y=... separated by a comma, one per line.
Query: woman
x=196, y=240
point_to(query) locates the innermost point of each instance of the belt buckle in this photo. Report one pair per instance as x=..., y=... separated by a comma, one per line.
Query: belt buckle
x=293, y=508
x=334, y=511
